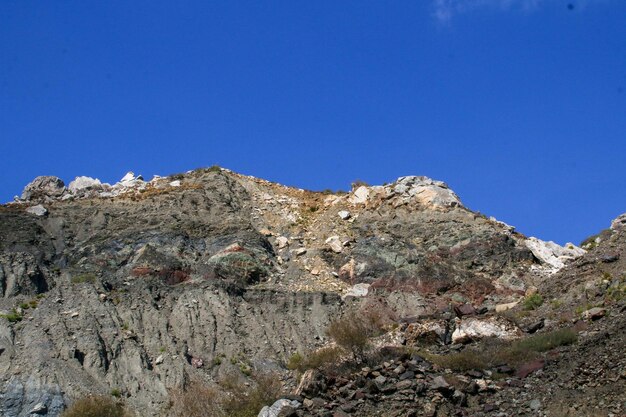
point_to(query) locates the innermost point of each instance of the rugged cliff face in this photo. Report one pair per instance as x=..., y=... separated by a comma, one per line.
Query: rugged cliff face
x=137, y=287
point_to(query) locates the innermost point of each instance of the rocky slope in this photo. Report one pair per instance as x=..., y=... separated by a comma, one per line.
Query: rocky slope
x=137, y=287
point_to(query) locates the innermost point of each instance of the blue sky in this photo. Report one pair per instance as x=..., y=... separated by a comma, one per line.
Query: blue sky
x=519, y=105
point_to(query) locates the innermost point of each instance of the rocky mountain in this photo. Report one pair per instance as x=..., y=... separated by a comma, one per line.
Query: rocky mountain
x=143, y=289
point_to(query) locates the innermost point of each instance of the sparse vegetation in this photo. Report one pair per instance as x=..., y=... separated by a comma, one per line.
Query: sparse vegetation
x=351, y=334
x=13, y=316
x=96, y=406
x=493, y=352
x=317, y=359
x=232, y=397
x=87, y=277
x=115, y=392
x=532, y=302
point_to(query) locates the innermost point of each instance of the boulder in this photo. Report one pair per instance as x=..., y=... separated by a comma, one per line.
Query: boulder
x=278, y=407
x=334, y=243
x=44, y=188
x=360, y=195
x=82, y=184
x=282, y=242
x=358, y=290
x=619, y=222
x=425, y=191
x=551, y=254
x=469, y=329
x=594, y=313
x=344, y=214
x=37, y=210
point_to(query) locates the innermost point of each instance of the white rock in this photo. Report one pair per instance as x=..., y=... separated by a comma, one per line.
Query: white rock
x=175, y=183
x=335, y=244
x=282, y=242
x=471, y=328
x=504, y=307
x=358, y=290
x=159, y=360
x=84, y=183
x=344, y=214
x=37, y=210
x=360, y=195
x=275, y=409
x=299, y=251
x=552, y=254
x=130, y=180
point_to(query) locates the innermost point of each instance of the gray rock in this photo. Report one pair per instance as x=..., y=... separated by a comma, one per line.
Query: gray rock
x=275, y=409
x=44, y=188
x=534, y=404
x=37, y=210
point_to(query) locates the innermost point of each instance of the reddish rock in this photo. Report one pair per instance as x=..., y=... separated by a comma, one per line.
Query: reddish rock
x=530, y=367
x=464, y=310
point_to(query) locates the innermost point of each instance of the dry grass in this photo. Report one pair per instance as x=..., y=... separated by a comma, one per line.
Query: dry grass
x=230, y=398
x=96, y=406
x=351, y=333
x=317, y=359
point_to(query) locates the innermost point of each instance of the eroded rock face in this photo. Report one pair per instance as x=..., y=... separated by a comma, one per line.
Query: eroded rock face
x=147, y=283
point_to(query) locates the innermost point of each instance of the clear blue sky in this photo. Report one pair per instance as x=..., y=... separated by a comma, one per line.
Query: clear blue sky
x=519, y=105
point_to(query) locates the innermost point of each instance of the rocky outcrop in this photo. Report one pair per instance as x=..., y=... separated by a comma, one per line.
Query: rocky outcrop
x=552, y=254
x=141, y=286
x=44, y=188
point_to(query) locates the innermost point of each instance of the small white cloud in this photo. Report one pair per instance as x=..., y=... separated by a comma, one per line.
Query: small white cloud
x=444, y=10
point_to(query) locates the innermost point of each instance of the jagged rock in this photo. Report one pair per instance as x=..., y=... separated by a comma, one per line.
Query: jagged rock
x=344, y=214
x=553, y=254
x=334, y=243
x=279, y=406
x=39, y=408
x=426, y=191
x=43, y=188
x=464, y=310
x=37, y=210
x=594, y=313
x=130, y=180
x=619, y=223
x=282, y=242
x=24, y=398
x=360, y=195
x=82, y=184
x=470, y=329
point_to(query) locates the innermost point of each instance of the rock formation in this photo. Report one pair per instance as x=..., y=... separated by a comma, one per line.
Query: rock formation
x=139, y=287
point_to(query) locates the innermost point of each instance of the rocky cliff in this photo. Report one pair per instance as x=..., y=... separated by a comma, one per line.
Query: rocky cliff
x=138, y=287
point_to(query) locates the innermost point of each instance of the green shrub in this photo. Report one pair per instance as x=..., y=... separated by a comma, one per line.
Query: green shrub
x=532, y=302
x=13, y=316
x=493, y=352
x=83, y=278
x=115, y=392
x=95, y=406
x=545, y=341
